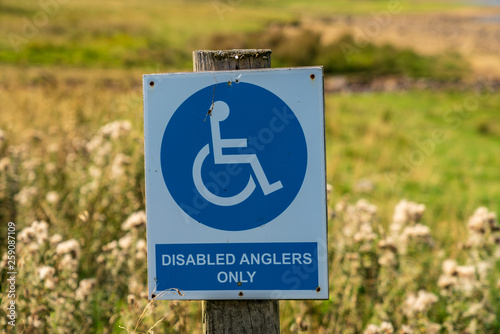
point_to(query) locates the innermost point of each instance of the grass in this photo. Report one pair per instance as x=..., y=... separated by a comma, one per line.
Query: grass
x=379, y=136
x=83, y=70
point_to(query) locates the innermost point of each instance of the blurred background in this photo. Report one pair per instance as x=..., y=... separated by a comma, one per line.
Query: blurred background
x=412, y=112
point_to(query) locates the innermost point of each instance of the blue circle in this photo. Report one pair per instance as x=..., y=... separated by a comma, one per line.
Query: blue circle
x=273, y=133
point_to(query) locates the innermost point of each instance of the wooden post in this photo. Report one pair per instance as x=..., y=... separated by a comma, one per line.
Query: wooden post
x=237, y=316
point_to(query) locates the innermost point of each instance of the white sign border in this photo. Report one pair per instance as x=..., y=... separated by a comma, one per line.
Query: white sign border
x=274, y=78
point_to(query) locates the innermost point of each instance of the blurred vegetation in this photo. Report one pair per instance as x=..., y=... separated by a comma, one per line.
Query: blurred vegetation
x=80, y=75
x=343, y=56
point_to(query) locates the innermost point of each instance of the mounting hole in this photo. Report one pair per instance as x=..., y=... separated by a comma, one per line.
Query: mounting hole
x=313, y=76
x=152, y=83
x=229, y=83
x=318, y=289
x=153, y=296
x=237, y=80
x=240, y=294
x=239, y=283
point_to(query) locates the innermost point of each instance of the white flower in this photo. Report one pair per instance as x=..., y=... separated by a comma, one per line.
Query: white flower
x=418, y=232
x=119, y=161
x=466, y=272
x=84, y=288
x=449, y=267
x=388, y=259
x=71, y=246
x=41, y=231
x=386, y=328
x=52, y=197
x=406, y=212
x=110, y=246
x=4, y=163
x=134, y=220
x=142, y=249
x=420, y=303
x=25, y=196
x=371, y=329
x=55, y=239
x=125, y=242
x=26, y=235
x=46, y=272
x=473, y=310
x=329, y=189
x=115, y=129
x=446, y=281
x=68, y=263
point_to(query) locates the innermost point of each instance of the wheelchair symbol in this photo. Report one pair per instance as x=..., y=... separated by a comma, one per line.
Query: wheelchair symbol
x=220, y=112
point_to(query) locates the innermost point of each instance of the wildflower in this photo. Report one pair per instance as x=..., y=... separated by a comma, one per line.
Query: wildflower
x=388, y=259
x=473, y=310
x=142, y=249
x=52, y=147
x=364, y=186
x=135, y=220
x=95, y=172
x=41, y=231
x=341, y=206
x=55, y=239
x=34, y=321
x=446, y=282
x=387, y=244
x=420, y=303
x=110, y=246
x=405, y=329
x=52, y=197
x=329, y=189
x=119, y=161
x=46, y=274
x=433, y=328
x=466, y=272
x=4, y=163
x=365, y=234
x=131, y=299
x=69, y=247
x=406, y=212
x=386, y=328
x=418, y=232
x=135, y=287
x=68, y=263
x=450, y=267
x=50, y=168
x=26, y=235
x=26, y=195
x=84, y=288
x=125, y=242
x=115, y=129
x=371, y=329
x=481, y=220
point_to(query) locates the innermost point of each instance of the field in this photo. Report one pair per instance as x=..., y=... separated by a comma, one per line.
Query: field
x=413, y=156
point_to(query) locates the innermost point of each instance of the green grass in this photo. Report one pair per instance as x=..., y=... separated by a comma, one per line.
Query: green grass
x=83, y=69
x=131, y=33
x=390, y=138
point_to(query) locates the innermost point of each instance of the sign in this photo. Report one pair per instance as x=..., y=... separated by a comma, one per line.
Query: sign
x=235, y=184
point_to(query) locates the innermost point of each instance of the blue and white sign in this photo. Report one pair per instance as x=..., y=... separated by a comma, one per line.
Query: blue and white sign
x=235, y=184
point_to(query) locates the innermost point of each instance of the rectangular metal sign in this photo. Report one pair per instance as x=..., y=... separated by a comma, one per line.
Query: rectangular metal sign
x=235, y=184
